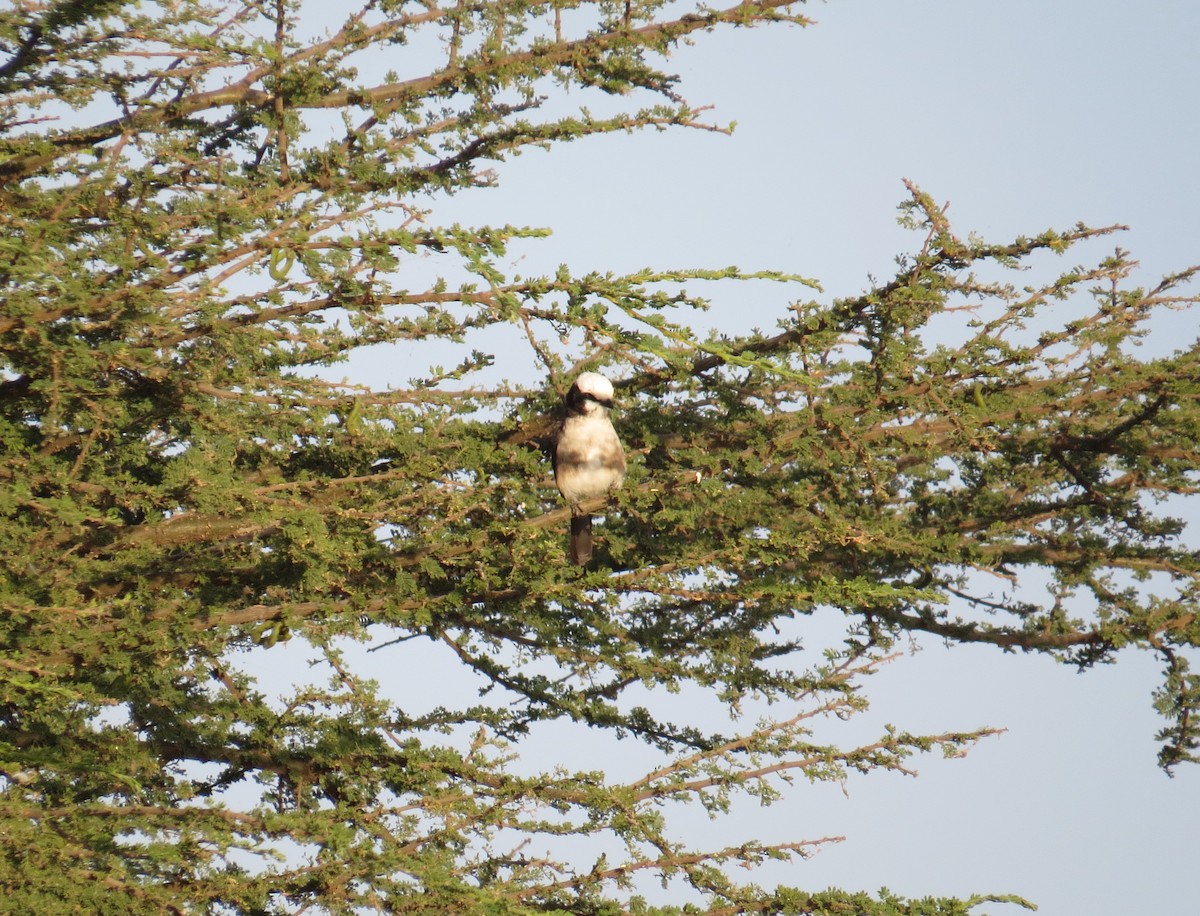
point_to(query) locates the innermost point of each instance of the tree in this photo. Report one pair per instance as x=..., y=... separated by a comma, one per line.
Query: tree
x=206, y=207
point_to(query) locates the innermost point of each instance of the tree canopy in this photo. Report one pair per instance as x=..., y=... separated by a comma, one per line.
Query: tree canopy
x=208, y=206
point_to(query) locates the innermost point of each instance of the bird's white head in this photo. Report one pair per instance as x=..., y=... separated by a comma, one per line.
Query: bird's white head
x=594, y=385
x=591, y=395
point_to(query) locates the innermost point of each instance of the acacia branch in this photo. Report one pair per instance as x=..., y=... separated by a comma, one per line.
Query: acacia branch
x=242, y=93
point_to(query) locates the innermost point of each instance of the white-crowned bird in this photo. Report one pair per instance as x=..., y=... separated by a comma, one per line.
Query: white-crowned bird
x=588, y=458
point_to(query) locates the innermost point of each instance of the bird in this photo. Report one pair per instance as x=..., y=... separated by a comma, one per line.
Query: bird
x=589, y=459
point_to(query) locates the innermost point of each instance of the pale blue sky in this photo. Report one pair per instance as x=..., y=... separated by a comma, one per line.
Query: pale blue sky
x=1023, y=115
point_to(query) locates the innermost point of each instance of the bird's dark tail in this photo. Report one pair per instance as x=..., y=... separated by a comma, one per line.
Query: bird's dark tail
x=581, y=539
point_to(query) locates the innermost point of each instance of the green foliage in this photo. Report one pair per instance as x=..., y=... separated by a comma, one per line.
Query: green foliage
x=221, y=209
